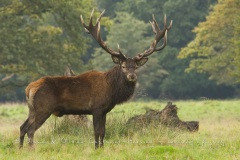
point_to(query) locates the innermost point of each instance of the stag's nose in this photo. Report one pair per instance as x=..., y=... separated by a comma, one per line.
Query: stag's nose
x=132, y=77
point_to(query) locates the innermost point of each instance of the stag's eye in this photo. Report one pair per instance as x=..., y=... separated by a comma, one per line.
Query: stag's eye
x=123, y=67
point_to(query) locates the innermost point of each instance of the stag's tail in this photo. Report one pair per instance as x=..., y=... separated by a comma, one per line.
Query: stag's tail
x=30, y=92
x=27, y=90
x=32, y=88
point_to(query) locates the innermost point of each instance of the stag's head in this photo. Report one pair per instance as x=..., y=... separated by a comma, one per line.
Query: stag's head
x=129, y=65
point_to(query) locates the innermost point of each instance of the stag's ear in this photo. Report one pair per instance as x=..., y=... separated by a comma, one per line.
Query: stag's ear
x=141, y=62
x=116, y=60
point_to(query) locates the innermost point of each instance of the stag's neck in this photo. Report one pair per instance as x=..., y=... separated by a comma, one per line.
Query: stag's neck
x=121, y=88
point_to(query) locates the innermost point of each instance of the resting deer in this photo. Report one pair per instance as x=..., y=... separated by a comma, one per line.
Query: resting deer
x=93, y=92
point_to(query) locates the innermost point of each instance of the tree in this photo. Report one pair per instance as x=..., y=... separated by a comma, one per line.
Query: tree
x=111, y=7
x=39, y=38
x=215, y=50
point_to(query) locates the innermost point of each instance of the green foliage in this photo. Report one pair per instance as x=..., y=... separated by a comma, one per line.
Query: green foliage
x=181, y=85
x=215, y=50
x=111, y=6
x=41, y=37
x=185, y=15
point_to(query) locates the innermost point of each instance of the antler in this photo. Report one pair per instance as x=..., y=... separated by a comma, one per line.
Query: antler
x=95, y=32
x=159, y=35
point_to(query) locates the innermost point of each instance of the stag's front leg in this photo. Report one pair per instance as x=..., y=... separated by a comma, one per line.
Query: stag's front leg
x=99, y=121
x=102, y=130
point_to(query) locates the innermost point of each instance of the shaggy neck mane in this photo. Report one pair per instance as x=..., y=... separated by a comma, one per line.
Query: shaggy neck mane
x=122, y=89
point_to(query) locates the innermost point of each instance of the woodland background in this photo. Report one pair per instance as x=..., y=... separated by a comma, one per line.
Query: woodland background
x=202, y=58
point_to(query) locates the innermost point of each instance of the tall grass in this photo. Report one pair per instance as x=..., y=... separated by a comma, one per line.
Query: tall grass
x=217, y=138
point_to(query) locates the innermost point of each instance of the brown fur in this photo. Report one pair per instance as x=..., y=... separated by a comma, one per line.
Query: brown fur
x=92, y=92
x=81, y=120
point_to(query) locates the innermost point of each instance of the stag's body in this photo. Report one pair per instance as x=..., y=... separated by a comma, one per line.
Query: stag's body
x=83, y=94
x=93, y=92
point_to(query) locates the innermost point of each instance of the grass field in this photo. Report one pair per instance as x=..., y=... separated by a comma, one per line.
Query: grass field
x=218, y=136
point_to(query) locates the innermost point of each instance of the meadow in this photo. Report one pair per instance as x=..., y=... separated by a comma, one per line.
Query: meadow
x=218, y=136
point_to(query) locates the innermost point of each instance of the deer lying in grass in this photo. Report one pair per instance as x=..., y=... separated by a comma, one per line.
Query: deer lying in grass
x=93, y=92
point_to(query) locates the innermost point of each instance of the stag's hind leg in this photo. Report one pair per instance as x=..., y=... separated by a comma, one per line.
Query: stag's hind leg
x=23, y=132
x=24, y=127
x=39, y=120
x=32, y=123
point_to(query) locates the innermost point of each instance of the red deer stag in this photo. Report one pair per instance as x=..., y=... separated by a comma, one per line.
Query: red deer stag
x=93, y=92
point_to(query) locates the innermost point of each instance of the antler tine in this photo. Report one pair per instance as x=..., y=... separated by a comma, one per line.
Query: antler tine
x=94, y=30
x=84, y=25
x=170, y=25
x=164, y=42
x=155, y=23
x=165, y=21
x=82, y=21
x=90, y=21
x=153, y=27
x=159, y=35
x=100, y=16
x=119, y=50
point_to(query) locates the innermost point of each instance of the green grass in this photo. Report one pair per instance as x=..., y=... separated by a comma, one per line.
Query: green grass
x=218, y=136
